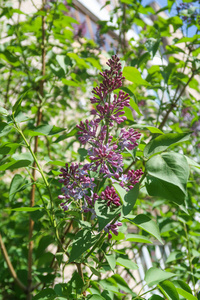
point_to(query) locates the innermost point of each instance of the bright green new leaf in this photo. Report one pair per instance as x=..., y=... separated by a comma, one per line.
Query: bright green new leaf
x=144, y=222
x=70, y=82
x=185, y=294
x=137, y=238
x=3, y=111
x=162, y=142
x=167, y=176
x=154, y=276
x=126, y=263
x=28, y=209
x=95, y=297
x=111, y=260
x=168, y=290
x=44, y=130
x=133, y=75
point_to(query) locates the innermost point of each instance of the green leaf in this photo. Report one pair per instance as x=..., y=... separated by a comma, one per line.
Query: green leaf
x=14, y=164
x=167, y=176
x=122, y=285
x=144, y=222
x=175, y=255
x=150, y=128
x=169, y=290
x=96, y=297
x=111, y=260
x=120, y=191
x=4, y=128
x=70, y=82
x=133, y=75
x=28, y=209
x=8, y=148
x=126, y=263
x=63, y=61
x=137, y=238
x=105, y=213
x=94, y=62
x=156, y=297
x=16, y=182
x=154, y=276
x=71, y=133
x=162, y=142
x=130, y=200
x=46, y=294
x=3, y=111
x=17, y=104
x=185, y=294
x=152, y=46
x=182, y=285
x=44, y=130
x=80, y=61
x=82, y=242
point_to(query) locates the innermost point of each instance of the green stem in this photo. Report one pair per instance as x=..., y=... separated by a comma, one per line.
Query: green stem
x=52, y=215
x=189, y=257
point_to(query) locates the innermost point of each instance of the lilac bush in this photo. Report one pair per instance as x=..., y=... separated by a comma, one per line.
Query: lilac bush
x=81, y=182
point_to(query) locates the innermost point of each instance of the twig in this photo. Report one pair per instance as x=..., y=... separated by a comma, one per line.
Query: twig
x=10, y=266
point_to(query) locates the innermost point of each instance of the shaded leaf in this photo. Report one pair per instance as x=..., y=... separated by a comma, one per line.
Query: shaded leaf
x=162, y=142
x=154, y=275
x=167, y=176
x=105, y=213
x=144, y=222
x=82, y=242
x=169, y=290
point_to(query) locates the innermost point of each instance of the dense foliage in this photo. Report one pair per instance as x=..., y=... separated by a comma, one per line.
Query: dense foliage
x=96, y=165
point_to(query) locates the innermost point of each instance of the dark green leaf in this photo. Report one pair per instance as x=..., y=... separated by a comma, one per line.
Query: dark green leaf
x=167, y=176
x=130, y=200
x=162, y=142
x=16, y=183
x=169, y=290
x=46, y=294
x=82, y=242
x=105, y=213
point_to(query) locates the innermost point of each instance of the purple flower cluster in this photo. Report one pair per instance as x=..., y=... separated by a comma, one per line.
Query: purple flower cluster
x=110, y=196
x=110, y=111
x=112, y=227
x=76, y=185
x=104, y=151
